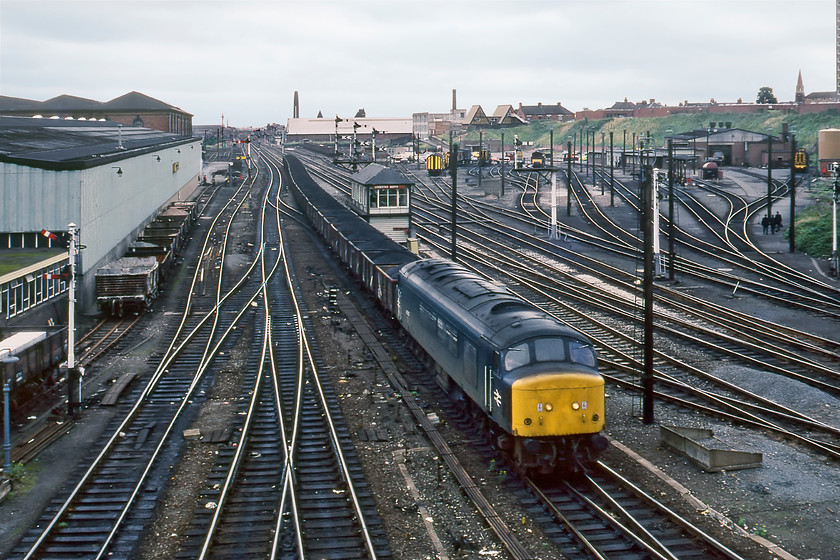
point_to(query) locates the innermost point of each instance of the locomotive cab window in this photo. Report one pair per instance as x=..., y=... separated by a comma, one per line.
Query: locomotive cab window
x=517, y=356
x=549, y=350
x=581, y=353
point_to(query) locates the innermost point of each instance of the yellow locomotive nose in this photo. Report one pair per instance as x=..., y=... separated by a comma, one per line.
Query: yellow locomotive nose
x=557, y=404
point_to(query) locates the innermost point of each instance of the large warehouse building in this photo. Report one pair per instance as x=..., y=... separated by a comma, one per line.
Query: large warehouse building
x=108, y=179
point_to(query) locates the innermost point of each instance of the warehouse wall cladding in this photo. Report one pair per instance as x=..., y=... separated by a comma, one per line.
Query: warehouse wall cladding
x=108, y=179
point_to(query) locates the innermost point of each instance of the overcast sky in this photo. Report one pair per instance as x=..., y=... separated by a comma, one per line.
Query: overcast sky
x=396, y=57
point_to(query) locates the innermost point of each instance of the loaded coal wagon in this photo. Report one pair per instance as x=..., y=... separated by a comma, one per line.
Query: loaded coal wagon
x=129, y=284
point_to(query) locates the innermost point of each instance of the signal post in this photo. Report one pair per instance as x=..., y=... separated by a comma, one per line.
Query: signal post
x=73, y=374
x=549, y=174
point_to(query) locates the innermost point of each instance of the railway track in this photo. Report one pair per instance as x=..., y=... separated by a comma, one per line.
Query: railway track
x=576, y=506
x=102, y=338
x=298, y=497
x=236, y=328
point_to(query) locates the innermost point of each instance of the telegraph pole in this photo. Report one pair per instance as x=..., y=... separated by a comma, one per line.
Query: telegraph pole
x=647, y=373
x=569, y=180
x=503, y=166
x=672, y=255
x=553, y=234
x=612, y=176
x=603, y=163
x=74, y=375
x=792, y=194
x=453, y=169
x=624, y=153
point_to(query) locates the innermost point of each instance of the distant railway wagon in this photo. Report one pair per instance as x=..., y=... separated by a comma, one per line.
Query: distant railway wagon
x=530, y=381
x=482, y=156
x=710, y=170
x=436, y=163
x=129, y=284
x=170, y=229
x=38, y=354
x=175, y=234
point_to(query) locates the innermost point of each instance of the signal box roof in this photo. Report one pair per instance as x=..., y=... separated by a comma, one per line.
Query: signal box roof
x=375, y=174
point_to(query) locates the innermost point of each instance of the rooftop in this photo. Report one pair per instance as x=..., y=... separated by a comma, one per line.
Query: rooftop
x=14, y=261
x=61, y=144
x=130, y=102
x=375, y=174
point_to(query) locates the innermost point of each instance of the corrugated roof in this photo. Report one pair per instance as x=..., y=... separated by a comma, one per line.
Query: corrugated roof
x=76, y=144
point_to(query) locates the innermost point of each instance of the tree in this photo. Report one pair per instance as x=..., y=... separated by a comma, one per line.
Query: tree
x=765, y=95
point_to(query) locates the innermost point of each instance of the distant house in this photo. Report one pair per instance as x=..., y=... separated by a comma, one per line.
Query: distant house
x=505, y=115
x=476, y=117
x=627, y=109
x=621, y=109
x=822, y=97
x=539, y=112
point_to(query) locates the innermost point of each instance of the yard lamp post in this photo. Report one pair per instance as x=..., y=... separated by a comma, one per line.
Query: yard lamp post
x=769, y=175
x=7, y=437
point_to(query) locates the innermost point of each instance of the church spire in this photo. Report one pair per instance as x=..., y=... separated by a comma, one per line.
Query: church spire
x=800, y=89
